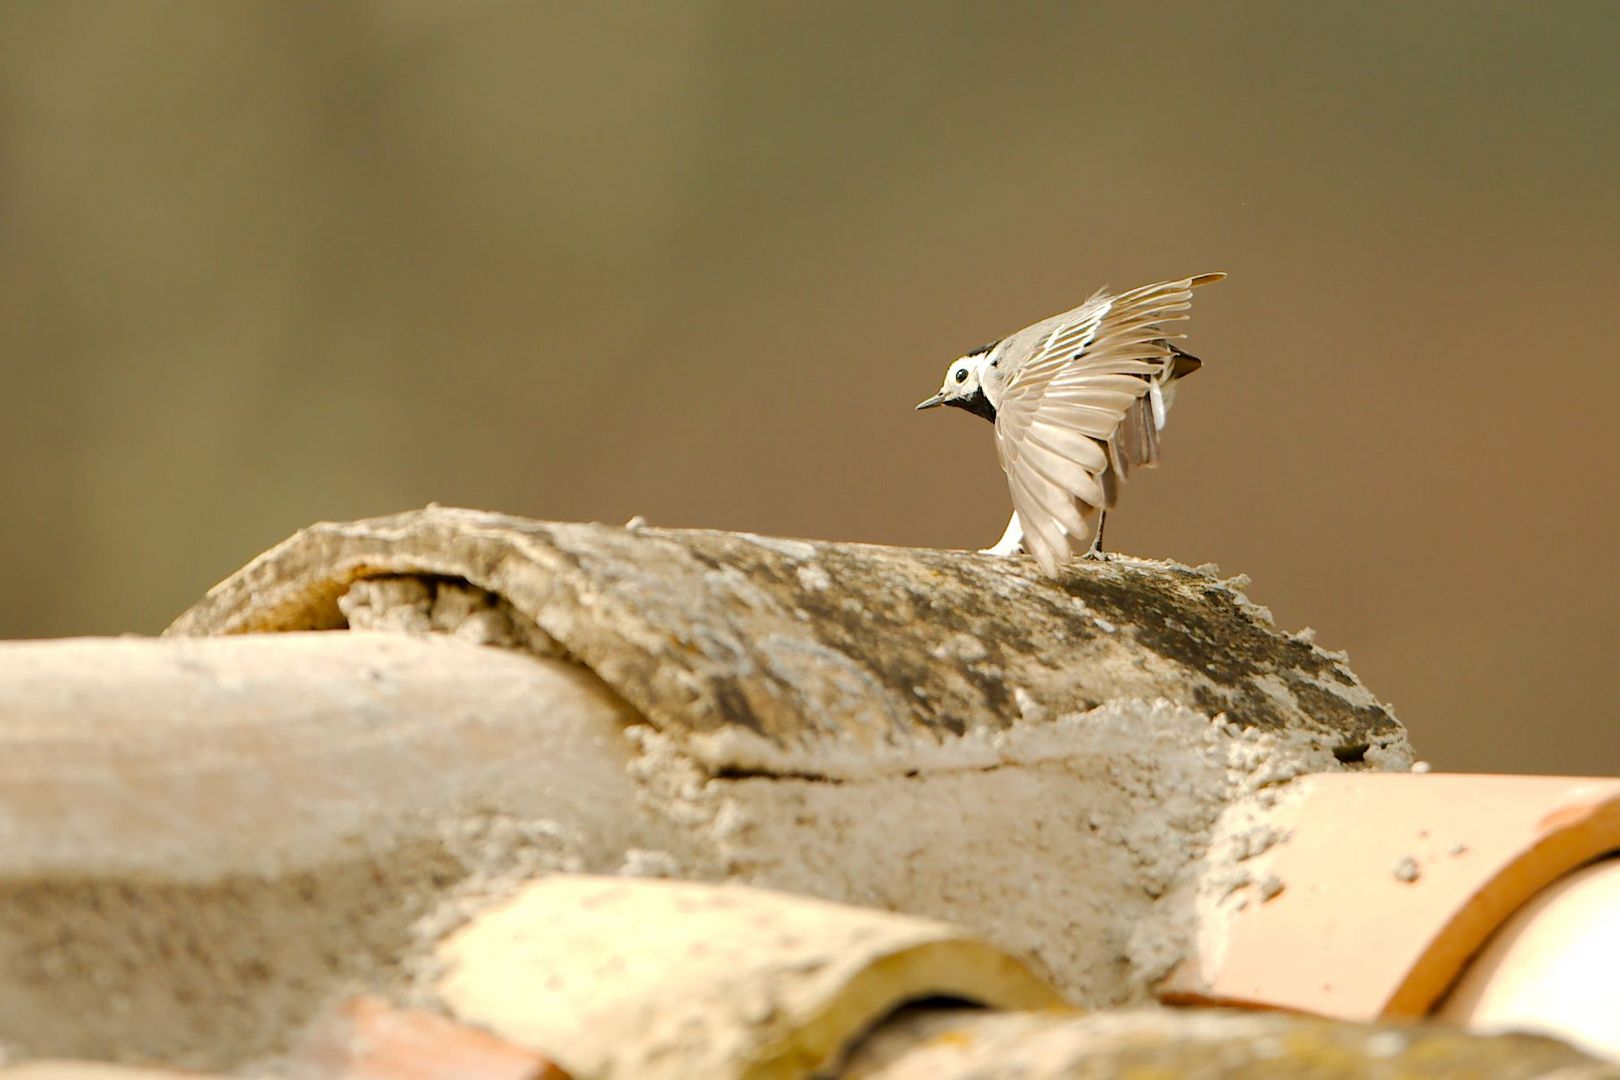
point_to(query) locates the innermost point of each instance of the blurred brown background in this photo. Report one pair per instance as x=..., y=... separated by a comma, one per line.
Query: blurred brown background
x=264, y=263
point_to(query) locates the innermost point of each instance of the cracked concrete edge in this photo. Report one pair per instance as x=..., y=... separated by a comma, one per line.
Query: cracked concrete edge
x=811, y=655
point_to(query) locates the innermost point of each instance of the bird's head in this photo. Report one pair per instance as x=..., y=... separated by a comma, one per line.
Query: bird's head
x=964, y=386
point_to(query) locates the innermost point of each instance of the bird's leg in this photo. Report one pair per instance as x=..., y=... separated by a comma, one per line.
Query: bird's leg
x=1011, y=542
x=1096, y=550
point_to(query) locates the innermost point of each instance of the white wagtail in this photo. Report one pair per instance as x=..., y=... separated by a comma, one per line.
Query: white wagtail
x=1078, y=400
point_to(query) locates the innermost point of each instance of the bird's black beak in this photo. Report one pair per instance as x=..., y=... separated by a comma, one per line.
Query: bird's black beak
x=937, y=399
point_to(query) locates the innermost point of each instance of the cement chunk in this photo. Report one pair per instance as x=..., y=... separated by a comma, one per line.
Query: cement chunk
x=816, y=657
x=621, y=979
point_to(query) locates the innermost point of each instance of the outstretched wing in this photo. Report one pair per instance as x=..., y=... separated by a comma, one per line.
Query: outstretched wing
x=1079, y=413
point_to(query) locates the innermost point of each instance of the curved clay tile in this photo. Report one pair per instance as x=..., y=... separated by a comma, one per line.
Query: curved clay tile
x=1367, y=895
x=642, y=980
x=1552, y=967
x=202, y=841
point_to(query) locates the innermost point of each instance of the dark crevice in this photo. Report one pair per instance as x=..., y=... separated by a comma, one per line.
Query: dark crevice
x=736, y=772
x=1351, y=753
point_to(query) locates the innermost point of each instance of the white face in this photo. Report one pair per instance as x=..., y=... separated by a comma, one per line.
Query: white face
x=962, y=377
x=963, y=386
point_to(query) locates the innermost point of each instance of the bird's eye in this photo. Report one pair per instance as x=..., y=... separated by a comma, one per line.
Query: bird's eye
x=961, y=374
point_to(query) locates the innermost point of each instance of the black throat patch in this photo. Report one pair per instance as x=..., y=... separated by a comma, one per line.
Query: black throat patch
x=977, y=404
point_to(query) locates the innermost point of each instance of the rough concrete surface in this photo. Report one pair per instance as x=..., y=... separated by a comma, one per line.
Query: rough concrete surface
x=200, y=841
x=271, y=820
x=1199, y=1045
x=1055, y=842
x=208, y=840
x=793, y=655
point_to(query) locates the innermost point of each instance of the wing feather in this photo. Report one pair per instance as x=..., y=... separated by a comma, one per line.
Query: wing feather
x=1056, y=504
x=1138, y=440
x=1091, y=420
x=1043, y=539
x=1074, y=445
x=1074, y=478
x=1105, y=393
x=1076, y=416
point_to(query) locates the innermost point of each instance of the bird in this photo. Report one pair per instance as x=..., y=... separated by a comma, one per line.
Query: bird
x=1078, y=401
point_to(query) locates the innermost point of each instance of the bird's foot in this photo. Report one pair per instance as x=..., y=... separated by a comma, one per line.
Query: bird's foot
x=1095, y=552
